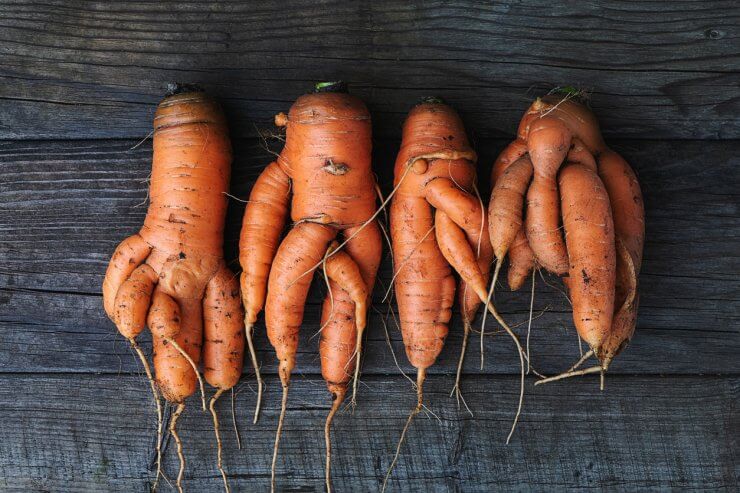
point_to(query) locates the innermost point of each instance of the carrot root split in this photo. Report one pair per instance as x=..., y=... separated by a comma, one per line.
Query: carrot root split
x=249, y=329
x=278, y=432
x=173, y=431
x=456, y=388
x=513, y=336
x=420, y=376
x=219, y=460
x=157, y=402
x=569, y=374
x=338, y=399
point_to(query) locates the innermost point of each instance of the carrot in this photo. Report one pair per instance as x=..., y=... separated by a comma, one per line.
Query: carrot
x=325, y=171
x=434, y=184
x=159, y=276
x=223, y=351
x=548, y=129
x=559, y=128
x=343, y=320
x=629, y=228
x=521, y=257
x=264, y=221
x=589, y=231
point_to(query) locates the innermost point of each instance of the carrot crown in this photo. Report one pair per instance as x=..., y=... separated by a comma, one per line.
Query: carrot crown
x=333, y=86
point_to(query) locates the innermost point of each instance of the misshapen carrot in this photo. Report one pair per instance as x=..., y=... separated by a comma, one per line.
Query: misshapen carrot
x=552, y=125
x=323, y=176
x=589, y=233
x=163, y=273
x=262, y=226
x=434, y=185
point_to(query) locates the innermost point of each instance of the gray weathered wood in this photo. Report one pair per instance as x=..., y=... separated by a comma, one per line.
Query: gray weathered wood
x=75, y=413
x=88, y=70
x=64, y=206
x=81, y=433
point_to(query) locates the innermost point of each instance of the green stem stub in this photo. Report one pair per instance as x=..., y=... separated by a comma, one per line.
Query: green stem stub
x=174, y=88
x=334, y=86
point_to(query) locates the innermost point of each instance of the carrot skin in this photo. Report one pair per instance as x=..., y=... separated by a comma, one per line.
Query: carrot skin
x=129, y=254
x=425, y=287
x=132, y=301
x=223, y=330
x=164, y=316
x=262, y=226
x=302, y=248
x=521, y=261
x=589, y=230
x=506, y=206
x=627, y=204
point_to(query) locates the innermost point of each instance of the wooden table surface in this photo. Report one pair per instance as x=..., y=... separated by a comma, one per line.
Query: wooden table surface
x=79, y=82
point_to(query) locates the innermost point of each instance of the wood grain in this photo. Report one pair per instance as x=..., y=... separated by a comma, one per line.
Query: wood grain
x=96, y=433
x=79, y=82
x=88, y=70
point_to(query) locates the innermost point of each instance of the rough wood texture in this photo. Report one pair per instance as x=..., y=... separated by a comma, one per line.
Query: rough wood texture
x=86, y=69
x=79, y=82
x=96, y=433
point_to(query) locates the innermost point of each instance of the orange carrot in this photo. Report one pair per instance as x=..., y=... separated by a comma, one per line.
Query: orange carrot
x=629, y=228
x=223, y=351
x=264, y=221
x=159, y=276
x=326, y=167
x=434, y=183
x=589, y=232
x=521, y=261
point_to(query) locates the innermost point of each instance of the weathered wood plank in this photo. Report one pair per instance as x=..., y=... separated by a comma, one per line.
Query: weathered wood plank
x=65, y=205
x=90, y=70
x=96, y=433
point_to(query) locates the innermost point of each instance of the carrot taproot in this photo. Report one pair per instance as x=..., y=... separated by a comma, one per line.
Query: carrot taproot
x=223, y=348
x=521, y=257
x=589, y=232
x=343, y=320
x=323, y=177
x=262, y=226
x=159, y=275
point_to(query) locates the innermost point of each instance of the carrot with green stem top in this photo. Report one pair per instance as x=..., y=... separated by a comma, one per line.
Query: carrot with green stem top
x=163, y=275
x=323, y=177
